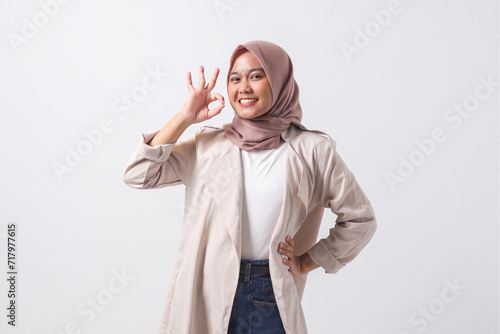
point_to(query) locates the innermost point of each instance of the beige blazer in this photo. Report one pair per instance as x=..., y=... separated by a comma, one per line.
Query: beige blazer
x=206, y=269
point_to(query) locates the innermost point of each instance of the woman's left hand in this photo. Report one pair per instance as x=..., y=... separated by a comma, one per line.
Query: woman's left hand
x=292, y=261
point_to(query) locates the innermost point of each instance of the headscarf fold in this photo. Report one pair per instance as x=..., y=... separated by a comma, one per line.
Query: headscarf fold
x=264, y=132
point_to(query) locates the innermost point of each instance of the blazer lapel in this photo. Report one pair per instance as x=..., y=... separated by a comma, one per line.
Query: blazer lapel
x=296, y=190
x=297, y=178
x=223, y=179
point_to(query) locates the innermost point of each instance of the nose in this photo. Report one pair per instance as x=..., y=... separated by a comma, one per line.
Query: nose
x=244, y=87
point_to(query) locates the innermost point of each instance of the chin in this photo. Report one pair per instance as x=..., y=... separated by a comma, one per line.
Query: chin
x=245, y=116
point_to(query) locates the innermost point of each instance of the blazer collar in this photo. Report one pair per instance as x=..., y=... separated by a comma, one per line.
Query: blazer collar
x=222, y=148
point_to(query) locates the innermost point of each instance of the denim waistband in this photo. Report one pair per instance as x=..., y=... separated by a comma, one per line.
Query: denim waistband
x=255, y=262
x=246, y=268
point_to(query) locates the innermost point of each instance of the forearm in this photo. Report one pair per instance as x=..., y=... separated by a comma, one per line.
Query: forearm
x=170, y=132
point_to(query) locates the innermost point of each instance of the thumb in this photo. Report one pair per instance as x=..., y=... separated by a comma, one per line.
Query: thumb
x=215, y=111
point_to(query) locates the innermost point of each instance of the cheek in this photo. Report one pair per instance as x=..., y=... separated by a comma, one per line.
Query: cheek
x=265, y=90
x=231, y=89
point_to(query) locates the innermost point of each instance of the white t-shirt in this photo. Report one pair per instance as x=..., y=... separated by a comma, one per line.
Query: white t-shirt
x=264, y=178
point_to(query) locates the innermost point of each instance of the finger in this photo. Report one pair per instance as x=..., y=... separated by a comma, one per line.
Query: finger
x=287, y=253
x=201, y=84
x=289, y=240
x=213, y=80
x=285, y=246
x=215, y=111
x=217, y=97
x=189, y=81
x=286, y=250
x=288, y=262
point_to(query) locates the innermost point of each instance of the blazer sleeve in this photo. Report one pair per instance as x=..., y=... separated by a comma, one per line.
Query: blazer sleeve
x=161, y=165
x=338, y=190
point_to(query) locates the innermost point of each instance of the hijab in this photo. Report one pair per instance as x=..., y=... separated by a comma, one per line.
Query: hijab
x=264, y=132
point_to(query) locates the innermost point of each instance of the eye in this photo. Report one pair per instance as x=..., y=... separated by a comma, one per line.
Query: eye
x=257, y=76
x=234, y=79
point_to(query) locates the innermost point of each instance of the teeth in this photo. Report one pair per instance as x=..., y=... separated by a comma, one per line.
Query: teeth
x=247, y=100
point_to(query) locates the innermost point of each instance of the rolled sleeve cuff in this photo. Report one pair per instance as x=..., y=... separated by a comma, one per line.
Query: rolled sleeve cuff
x=320, y=255
x=158, y=153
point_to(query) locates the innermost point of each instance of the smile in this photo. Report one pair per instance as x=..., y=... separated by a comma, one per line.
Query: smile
x=247, y=102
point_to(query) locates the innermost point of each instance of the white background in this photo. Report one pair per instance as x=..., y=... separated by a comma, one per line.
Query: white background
x=439, y=225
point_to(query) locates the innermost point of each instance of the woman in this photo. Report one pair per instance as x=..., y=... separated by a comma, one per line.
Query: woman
x=256, y=190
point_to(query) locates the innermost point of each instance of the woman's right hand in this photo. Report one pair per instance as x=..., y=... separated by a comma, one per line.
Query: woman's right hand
x=195, y=109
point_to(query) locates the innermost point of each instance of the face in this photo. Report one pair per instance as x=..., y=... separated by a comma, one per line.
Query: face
x=248, y=88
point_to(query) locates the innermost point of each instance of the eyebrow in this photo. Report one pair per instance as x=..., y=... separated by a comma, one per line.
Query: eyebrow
x=251, y=70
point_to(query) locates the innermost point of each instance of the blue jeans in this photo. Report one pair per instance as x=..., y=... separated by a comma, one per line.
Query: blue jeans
x=254, y=307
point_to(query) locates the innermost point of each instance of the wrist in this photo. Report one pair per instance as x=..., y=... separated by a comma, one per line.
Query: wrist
x=181, y=121
x=306, y=264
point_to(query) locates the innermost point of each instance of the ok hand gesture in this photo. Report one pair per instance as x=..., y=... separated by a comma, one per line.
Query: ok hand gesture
x=195, y=109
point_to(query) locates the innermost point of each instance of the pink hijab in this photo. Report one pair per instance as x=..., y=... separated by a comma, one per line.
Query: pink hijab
x=264, y=132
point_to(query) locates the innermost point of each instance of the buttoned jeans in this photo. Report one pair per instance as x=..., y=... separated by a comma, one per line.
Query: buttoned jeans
x=254, y=308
